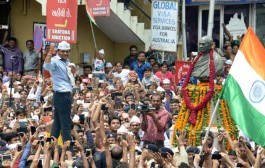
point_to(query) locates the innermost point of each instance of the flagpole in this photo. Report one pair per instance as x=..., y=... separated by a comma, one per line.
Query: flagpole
x=210, y=21
x=184, y=40
x=94, y=39
x=211, y=122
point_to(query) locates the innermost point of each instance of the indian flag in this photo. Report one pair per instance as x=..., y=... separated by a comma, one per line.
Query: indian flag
x=89, y=13
x=244, y=89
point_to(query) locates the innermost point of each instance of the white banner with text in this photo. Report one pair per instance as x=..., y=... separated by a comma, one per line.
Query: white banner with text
x=164, y=25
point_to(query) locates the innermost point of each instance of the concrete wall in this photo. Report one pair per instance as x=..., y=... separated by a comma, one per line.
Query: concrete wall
x=22, y=25
x=122, y=50
x=22, y=29
x=141, y=17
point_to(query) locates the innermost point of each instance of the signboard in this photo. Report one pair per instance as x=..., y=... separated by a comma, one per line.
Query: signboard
x=61, y=20
x=236, y=26
x=37, y=39
x=43, y=28
x=182, y=68
x=99, y=7
x=223, y=2
x=164, y=25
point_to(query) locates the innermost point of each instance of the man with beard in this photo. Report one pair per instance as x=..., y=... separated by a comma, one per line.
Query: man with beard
x=132, y=57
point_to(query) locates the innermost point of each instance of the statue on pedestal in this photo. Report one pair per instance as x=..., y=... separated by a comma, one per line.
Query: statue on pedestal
x=195, y=112
x=201, y=68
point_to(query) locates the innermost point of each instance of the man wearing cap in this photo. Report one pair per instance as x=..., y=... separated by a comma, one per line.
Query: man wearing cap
x=167, y=154
x=99, y=67
x=191, y=151
x=167, y=87
x=108, y=67
x=146, y=158
x=62, y=87
x=227, y=66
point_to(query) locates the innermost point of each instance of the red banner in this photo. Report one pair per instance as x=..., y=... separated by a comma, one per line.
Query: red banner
x=182, y=68
x=61, y=20
x=99, y=7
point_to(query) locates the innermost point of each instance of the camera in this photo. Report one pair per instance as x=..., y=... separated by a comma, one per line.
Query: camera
x=144, y=107
x=6, y=157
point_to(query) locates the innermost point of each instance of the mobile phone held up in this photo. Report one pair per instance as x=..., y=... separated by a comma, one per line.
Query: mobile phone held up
x=216, y=156
x=72, y=143
x=32, y=129
x=88, y=152
x=82, y=118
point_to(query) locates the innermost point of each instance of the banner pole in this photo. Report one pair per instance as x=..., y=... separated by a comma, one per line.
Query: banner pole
x=211, y=122
x=163, y=56
x=41, y=62
x=94, y=39
x=184, y=40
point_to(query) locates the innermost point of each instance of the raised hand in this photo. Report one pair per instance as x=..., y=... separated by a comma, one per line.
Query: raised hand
x=124, y=144
x=78, y=146
x=131, y=142
x=181, y=138
x=106, y=143
x=260, y=150
x=226, y=134
x=52, y=46
x=158, y=158
x=66, y=145
x=40, y=78
x=6, y=163
x=103, y=100
x=220, y=138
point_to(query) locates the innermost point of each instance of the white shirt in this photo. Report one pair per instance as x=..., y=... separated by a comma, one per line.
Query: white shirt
x=71, y=76
x=124, y=75
x=99, y=66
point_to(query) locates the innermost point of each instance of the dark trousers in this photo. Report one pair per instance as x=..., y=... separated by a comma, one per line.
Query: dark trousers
x=62, y=115
x=159, y=144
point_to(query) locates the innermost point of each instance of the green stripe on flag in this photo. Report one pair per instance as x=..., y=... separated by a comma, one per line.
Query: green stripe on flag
x=249, y=120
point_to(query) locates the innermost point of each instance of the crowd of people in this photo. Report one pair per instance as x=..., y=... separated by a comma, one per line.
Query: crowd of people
x=110, y=116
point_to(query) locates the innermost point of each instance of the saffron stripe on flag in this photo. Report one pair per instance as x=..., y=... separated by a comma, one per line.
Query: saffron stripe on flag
x=254, y=52
x=89, y=13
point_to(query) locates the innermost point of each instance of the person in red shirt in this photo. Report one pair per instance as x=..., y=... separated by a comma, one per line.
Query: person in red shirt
x=46, y=74
x=154, y=122
x=165, y=74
